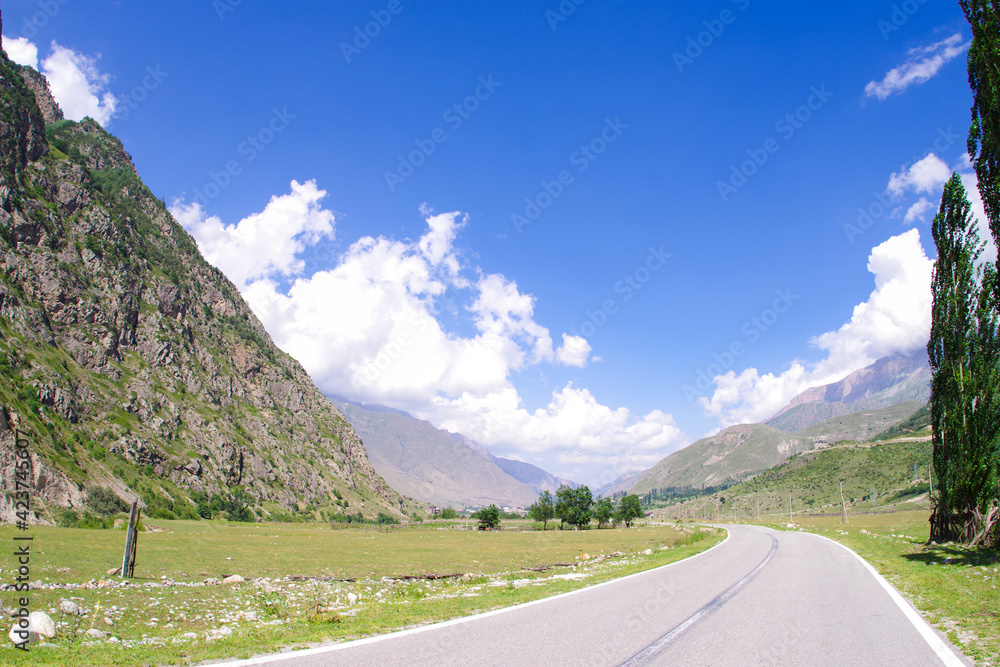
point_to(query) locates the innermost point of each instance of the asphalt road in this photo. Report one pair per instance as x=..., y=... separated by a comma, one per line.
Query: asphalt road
x=760, y=598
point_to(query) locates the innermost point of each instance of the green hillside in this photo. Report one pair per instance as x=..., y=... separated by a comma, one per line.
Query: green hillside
x=916, y=425
x=812, y=480
x=862, y=425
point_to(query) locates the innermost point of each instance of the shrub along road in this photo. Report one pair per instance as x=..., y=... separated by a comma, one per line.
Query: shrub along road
x=762, y=597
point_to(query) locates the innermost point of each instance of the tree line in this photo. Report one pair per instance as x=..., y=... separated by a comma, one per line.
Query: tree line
x=577, y=508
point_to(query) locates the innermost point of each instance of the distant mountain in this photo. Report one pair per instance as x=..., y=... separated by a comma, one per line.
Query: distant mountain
x=889, y=381
x=735, y=454
x=431, y=465
x=620, y=485
x=532, y=475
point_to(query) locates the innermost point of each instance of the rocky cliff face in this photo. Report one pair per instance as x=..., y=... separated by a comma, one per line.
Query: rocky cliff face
x=127, y=360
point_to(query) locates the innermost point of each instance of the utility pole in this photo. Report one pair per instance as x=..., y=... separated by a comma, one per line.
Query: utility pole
x=790, y=518
x=843, y=506
x=930, y=478
x=757, y=495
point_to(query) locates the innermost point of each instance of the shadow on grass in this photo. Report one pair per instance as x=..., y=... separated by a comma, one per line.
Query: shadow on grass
x=953, y=554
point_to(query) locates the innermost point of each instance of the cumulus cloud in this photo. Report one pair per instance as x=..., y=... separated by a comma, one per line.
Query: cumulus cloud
x=78, y=85
x=21, y=51
x=368, y=327
x=894, y=320
x=926, y=175
x=264, y=244
x=921, y=65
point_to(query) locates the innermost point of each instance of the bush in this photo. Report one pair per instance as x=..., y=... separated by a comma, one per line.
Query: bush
x=449, y=513
x=105, y=502
x=385, y=519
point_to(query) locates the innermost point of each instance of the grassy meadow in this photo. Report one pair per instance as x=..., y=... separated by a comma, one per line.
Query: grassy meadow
x=305, y=584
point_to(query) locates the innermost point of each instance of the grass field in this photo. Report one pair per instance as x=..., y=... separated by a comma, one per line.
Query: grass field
x=956, y=589
x=292, y=596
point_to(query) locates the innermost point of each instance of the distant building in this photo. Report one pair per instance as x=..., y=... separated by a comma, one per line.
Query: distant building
x=435, y=510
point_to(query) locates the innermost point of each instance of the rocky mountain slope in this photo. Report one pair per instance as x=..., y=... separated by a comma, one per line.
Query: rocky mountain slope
x=127, y=361
x=888, y=382
x=735, y=454
x=432, y=465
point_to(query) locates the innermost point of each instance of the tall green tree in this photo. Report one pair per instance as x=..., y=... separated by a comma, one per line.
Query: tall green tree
x=984, y=79
x=574, y=506
x=604, y=511
x=543, y=510
x=629, y=509
x=963, y=358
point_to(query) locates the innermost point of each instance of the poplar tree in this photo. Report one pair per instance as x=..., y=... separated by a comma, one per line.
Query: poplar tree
x=984, y=80
x=963, y=358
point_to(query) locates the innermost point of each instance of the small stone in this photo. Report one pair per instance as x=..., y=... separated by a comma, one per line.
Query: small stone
x=233, y=579
x=647, y=552
x=94, y=633
x=112, y=572
x=39, y=621
x=211, y=581
x=69, y=607
x=108, y=621
x=352, y=598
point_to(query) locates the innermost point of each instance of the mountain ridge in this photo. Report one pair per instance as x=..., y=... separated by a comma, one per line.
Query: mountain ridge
x=130, y=362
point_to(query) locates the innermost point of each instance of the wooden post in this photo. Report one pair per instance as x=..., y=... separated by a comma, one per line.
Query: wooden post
x=843, y=506
x=930, y=478
x=131, y=538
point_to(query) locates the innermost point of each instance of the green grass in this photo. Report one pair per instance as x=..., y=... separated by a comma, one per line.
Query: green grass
x=304, y=612
x=956, y=589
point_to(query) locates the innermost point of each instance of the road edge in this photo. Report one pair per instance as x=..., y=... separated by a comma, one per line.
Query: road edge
x=942, y=648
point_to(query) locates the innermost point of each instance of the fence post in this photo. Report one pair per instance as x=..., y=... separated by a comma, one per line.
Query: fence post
x=131, y=538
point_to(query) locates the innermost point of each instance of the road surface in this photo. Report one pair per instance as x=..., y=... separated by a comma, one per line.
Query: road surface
x=762, y=597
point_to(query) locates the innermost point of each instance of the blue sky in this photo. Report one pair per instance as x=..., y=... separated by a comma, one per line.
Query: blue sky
x=523, y=222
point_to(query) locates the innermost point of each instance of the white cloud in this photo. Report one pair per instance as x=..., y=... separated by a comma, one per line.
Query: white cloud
x=918, y=211
x=926, y=175
x=266, y=244
x=368, y=328
x=894, y=320
x=21, y=51
x=923, y=63
x=78, y=85
x=575, y=351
